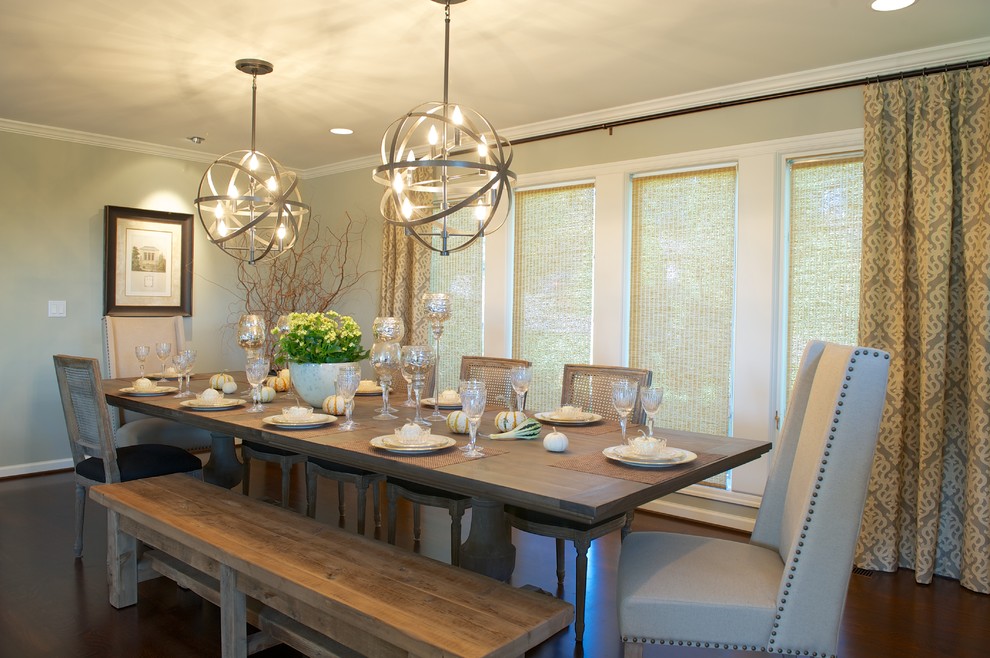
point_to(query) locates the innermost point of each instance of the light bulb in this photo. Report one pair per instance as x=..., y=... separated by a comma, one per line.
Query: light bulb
x=280, y=232
x=407, y=209
x=434, y=136
x=253, y=164
x=411, y=157
x=222, y=228
x=457, y=117
x=218, y=211
x=480, y=211
x=272, y=184
x=483, y=147
x=232, y=191
x=397, y=183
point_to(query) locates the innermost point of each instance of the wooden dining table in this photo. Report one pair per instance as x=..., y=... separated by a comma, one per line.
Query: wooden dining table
x=580, y=484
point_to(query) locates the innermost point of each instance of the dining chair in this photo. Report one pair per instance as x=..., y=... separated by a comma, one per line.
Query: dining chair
x=342, y=473
x=96, y=458
x=495, y=373
x=121, y=336
x=284, y=458
x=588, y=387
x=784, y=591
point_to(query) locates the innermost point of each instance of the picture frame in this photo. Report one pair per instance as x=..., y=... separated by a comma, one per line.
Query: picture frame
x=148, y=256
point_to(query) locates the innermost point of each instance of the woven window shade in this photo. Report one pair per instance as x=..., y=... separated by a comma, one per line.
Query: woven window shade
x=554, y=261
x=460, y=275
x=825, y=225
x=682, y=290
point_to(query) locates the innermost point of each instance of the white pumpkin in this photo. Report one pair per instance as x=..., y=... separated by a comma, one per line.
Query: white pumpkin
x=229, y=387
x=278, y=383
x=334, y=405
x=507, y=420
x=284, y=374
x=555, y=441
x=457, y=421
x=267, y=394
x=218, y=380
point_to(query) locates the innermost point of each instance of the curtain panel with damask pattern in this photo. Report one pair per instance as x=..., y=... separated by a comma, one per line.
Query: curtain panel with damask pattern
x=925, y=298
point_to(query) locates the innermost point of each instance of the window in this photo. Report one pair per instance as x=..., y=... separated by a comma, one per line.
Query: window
x=682, y=283
x=552, y=292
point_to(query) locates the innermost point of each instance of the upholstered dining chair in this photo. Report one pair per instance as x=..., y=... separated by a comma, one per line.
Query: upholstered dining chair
x=784, y=591
x=588, y=387
x=97, y=459
x=121, y=336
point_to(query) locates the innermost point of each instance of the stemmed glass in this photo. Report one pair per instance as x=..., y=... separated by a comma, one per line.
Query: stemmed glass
x=417, y=360
x=409, y=391
x=437, y=305
x=473, y=397
x=162, y=350
x=651, y=399
x=388, y=329
x=385, y=360
x=256, y=370
x=624, y=399
x=251, y=335
x=142, y=352
x=348, y=380
x=184, y=361
x=520, y=376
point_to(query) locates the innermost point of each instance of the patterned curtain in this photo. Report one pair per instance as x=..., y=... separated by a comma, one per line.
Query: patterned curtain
x=926, y=299
x=405, y=277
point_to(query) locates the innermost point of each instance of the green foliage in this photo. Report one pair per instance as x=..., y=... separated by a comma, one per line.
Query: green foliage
x=327, y=337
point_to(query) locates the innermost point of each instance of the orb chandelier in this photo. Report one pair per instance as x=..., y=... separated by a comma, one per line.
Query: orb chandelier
x=248, y=203
x=445, y=170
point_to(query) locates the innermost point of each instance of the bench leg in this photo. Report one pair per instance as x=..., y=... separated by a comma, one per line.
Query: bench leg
x=122, y=567
x=233, y=615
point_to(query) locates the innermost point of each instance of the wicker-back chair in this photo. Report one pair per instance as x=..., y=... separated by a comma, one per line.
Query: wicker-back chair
x=494, y=371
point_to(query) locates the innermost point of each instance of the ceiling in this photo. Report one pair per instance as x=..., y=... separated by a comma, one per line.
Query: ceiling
x=158, y=71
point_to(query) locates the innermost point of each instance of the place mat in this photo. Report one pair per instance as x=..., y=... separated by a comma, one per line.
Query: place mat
x=595, y=429
x=439, y=459
x=597, y=464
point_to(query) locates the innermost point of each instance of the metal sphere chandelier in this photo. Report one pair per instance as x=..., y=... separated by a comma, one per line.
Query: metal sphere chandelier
x=445, y=170
x=248, y=203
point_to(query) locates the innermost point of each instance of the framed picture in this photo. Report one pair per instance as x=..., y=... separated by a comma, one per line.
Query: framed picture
x=148, y=261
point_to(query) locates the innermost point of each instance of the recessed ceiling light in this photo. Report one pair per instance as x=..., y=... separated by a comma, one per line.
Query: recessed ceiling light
x=196, y=139
x=342, y=131
x=890, y=5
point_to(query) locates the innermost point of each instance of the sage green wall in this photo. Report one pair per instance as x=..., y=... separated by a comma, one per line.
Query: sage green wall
x=52, y=214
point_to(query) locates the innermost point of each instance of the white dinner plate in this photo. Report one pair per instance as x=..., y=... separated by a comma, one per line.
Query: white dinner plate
x=219, y=405
x=552, y=418
x=428, y=402
x=672, y=457
x=157, y=390
x=386, y=442
x=167, y=375
x=316, y=420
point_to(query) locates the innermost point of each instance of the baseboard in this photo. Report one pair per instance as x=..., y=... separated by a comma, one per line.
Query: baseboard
x=35, y=468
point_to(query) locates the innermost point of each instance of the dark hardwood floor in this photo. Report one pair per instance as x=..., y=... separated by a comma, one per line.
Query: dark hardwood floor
x=54, y=605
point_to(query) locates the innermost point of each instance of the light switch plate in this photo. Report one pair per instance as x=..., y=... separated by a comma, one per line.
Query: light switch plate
x=56, y=309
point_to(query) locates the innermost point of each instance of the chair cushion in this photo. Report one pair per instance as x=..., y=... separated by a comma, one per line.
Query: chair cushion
x=338, y=468
x=142, y=461
x=425, y=490
x=268, y=450
x=697, y=589
x=167, y=432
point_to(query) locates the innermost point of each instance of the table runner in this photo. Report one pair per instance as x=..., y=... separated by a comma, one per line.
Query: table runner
x=598, y=464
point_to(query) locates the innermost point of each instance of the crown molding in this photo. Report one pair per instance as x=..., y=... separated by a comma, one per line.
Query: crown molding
x=368, y=162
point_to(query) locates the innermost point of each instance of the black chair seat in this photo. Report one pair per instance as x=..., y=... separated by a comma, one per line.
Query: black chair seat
x=339, y=468
x=425, y=490
x=142, y=461
x=268, y=450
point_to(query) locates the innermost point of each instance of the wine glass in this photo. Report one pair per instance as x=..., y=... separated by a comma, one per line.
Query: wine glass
x=437, y=305
x=348, y=380
x=409, y=392
x=142, y=352
x=388, y=329
x=651, y=399
x=183, y=362
x=251, y=333
x=385, y=360
x=162, y=350
x=624, y=399
x=473, y=397
x=256, y=370
x=417, y=361
x=520, y=377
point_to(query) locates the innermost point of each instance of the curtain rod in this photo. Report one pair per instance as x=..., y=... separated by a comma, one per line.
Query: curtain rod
x=717, y=105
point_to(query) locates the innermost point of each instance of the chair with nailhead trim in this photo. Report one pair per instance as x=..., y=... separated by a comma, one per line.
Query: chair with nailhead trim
x=785, y=590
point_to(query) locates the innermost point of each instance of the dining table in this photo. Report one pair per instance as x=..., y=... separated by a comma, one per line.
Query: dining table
x=579, y=484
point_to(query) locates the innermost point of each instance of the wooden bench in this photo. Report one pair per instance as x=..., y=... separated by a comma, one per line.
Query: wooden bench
x=319, y=589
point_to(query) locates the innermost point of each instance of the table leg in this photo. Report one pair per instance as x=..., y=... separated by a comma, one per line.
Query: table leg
x=233, y=615
x=122, y=567
x=223, y=468
x=488, y=549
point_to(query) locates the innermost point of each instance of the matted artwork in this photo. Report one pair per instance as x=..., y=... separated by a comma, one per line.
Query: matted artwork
x=148, y=257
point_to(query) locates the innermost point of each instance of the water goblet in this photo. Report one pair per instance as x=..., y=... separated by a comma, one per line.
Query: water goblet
x=348, y=380
x=256, y=370
x=162, y=350
x=409, y=392
x=142, y=352
x=521, y=376
x=437, y=306
x=418, y=361
x=388, y=329
x=183, y=362
x=251, y=333
x=651, y=399
x=385, y=360
x=624, y=399
x=473, y=397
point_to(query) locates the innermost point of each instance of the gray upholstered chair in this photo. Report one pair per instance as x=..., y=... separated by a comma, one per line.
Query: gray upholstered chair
x=784, y=591
x=588, y=387
x=97, y=460
x=121, y=336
